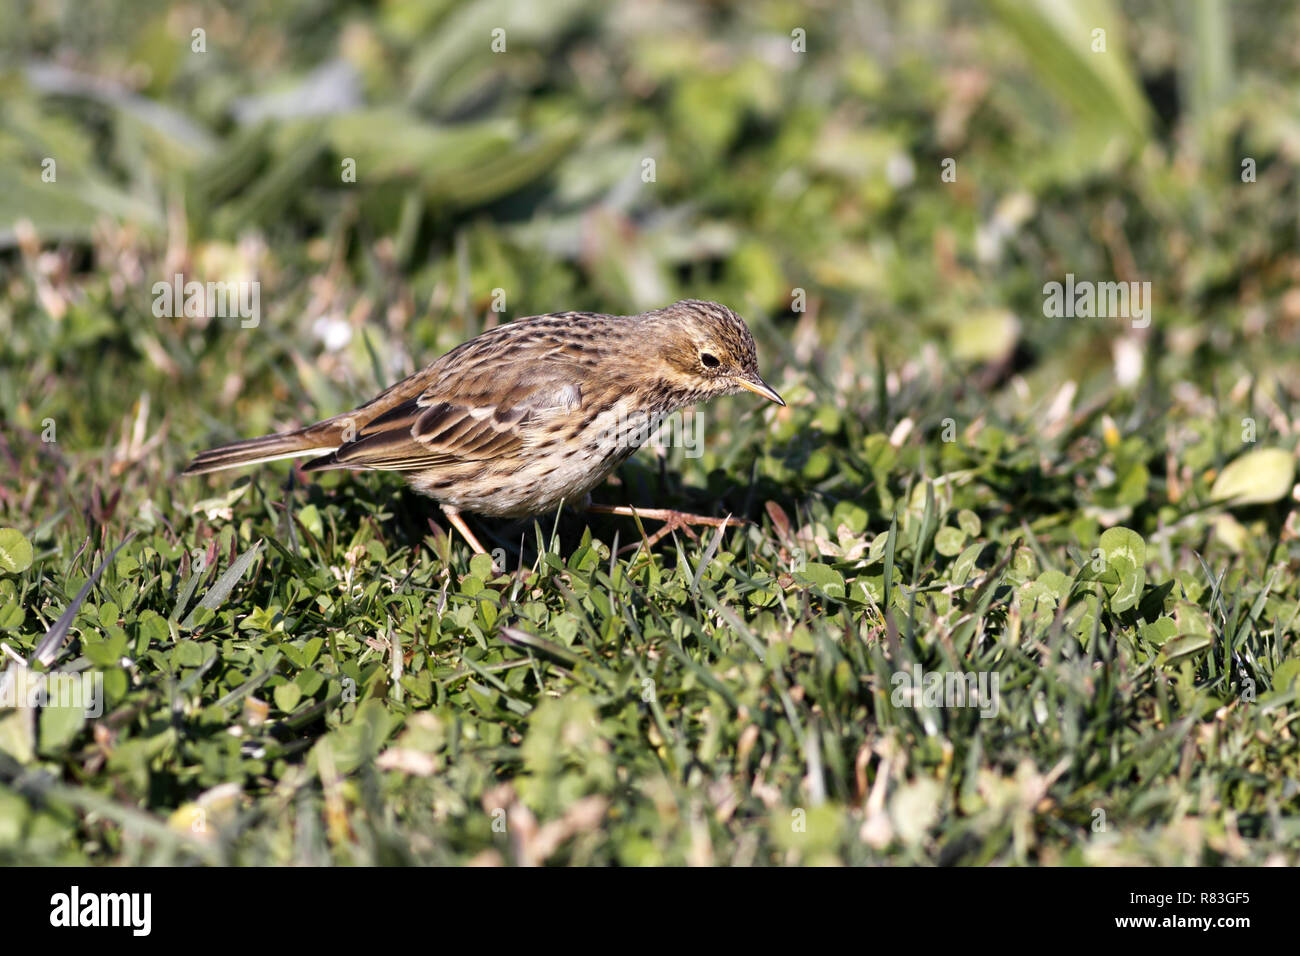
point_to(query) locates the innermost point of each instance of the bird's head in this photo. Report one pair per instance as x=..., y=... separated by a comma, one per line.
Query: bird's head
x=705, y=349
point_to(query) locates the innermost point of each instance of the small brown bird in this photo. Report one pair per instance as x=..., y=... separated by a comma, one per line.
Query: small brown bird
x=530, y=414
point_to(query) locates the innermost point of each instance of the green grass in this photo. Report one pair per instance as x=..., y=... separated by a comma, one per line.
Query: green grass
x=314, y=672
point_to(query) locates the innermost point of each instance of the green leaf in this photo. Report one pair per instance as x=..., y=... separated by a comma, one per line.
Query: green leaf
x=969, y=522
x=109, y=613
x=1185, y=646
x=480, y=565
x=187, y=654
x=12, y=616
x=309, y=518
x=949, y=541
x=1133, y=484
x=1257, y=477
x=287, y=697
x=15, y=551
x=1119, y=541
x=59, y=726
x=106, y=652
x=965, y=564
x=823, y=577
x=1160, y=630
x=1037, y=597
x=1129, y=592
x=1286, y=674
x=17, y=735
x=1056, y=583
x=153, y=627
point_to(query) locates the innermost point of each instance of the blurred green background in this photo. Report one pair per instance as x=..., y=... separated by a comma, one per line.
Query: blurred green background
x=774, y=170
x=787, y=159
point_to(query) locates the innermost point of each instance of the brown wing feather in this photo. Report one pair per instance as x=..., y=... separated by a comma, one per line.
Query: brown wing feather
x=485, y=400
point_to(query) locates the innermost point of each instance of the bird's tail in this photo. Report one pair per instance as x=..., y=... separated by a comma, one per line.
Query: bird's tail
x=319, y=439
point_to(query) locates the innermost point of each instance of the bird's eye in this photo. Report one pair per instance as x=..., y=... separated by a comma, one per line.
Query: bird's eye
x=709, y=360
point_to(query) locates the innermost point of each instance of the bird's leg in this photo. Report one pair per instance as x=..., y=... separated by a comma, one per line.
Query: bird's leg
x=673, y=519
x=459, y=524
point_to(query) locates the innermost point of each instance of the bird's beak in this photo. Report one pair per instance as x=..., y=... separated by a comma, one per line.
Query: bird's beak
x=759, y=387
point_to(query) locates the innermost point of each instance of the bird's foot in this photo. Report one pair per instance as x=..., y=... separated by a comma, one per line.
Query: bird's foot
x=673, y=521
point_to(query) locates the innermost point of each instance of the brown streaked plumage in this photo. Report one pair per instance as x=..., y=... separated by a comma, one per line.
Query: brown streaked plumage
x=528, y=414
